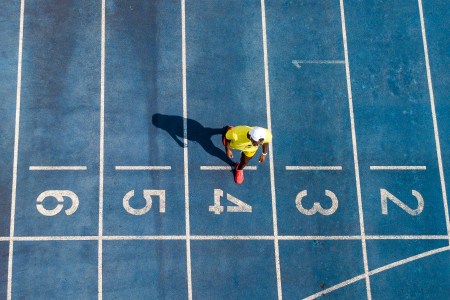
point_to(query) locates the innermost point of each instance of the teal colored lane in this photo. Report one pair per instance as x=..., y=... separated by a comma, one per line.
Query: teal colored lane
x=233, y=270
x=4, y=252
x=144, y=270
x=225, y=85
x=393, y=118
x=385, y=252
x=308, y=267
x=143, y=109
x=49, y=269
x=426, y=278
x=9, y=35
x=311, y=119
x=60, y=118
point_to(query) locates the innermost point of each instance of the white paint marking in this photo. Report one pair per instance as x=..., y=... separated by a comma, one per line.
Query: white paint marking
x=272, y=174
x=224, y=237
x=143, y=168
x=385, y=195
x=102, y=151
x=58, y=168
x=16, y=151
x=298, y=63
x=376, y=271
x=225, y=168
x=144, y=238
x=355, y=152
x=147, y=194
x=186, y=157
x=435, y=125
x=406, y=237
x=55, y=238
x=317, y=207
x=59, y=196
x=398, y=168
x=313, y=168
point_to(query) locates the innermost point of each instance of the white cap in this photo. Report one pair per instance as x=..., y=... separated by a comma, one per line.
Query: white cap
x=257, y=133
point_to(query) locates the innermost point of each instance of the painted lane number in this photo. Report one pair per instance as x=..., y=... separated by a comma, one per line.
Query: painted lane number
x=240, y=206
x=148, y=202
x=317, y=207
x=59, y=195
x=385, y=196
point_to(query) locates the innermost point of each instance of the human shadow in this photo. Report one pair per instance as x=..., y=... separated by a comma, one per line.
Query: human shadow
x=196, y=132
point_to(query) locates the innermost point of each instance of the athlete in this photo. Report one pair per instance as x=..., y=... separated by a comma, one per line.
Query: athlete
x=246, y=139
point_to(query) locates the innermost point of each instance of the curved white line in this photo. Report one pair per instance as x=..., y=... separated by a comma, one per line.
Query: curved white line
x=378, y=270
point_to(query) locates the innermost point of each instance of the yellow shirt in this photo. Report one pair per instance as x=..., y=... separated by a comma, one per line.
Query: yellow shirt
x=239, y=140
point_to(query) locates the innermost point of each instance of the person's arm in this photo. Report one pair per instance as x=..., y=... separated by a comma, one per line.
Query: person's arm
x=265, y=148
x=228, y=149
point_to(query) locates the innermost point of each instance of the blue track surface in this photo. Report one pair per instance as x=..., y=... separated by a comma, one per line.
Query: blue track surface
x=351, y=202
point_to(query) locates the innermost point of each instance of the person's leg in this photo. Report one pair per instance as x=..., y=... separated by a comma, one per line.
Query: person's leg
x=244, y=161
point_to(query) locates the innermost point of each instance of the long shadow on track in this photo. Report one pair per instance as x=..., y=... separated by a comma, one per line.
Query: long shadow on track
x=196, y=132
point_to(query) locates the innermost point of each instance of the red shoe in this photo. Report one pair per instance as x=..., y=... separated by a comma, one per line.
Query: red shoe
x=238, y=175
x=228, y=127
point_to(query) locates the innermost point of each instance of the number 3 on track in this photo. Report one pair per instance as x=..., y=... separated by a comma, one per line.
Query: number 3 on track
x=317, y=208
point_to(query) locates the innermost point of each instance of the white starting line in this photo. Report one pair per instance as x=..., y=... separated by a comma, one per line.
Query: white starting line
x=313, y=168
x=225, y=168
x=58, y=168
x=142, y=168
x=221, y=237
x=398, y=168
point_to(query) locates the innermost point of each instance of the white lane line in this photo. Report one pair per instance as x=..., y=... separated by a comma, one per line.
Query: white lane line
x=102, y=152
x=54, y=238
x=355, y=152
x=378, y=270
x=313, y=168
x=186, y=157
x=409, y=259
x=16, y=151
x=336, y=287
x=142, y=168
x=224, y=237
x=299, y=63
x=407, y=237
x=433, y=112
x=319, y=237
x=272, y=174
x=225, y=168
x=58, y=168
x=144, y=238
x=398, y=168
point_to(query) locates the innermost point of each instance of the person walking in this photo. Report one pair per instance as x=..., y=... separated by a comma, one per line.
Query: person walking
x=247, y=139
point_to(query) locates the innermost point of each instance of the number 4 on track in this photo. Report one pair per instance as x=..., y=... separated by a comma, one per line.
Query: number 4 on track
x=218, y=209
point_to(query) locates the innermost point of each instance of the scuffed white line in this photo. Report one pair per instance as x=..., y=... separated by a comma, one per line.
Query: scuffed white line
x=225, y=168
x=435, y=125
x=313, y=168
x=298, y=63
x=224, y=237
x=142, y=168
x=378, y=270
x=397, y=168
x=102, y=151
x=272, y=174
x=186, y=157
x=355, y=152
x=57, y=168
x=16, y=151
